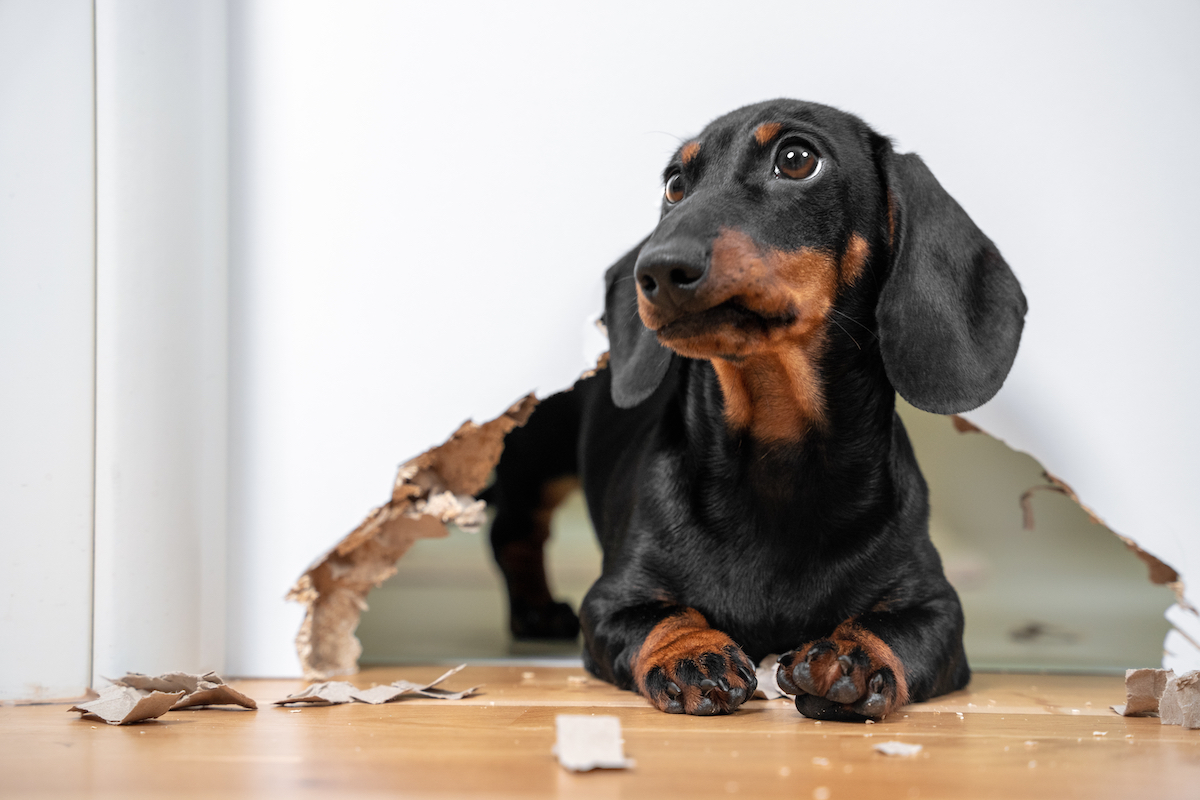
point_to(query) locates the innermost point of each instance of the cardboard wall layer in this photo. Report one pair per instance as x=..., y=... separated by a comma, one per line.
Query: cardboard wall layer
x=424, y=199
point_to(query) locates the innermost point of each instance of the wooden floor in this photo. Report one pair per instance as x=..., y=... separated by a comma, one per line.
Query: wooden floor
x=1010, y=736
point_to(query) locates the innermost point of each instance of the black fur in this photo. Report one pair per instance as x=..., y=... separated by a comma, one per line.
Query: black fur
x=778, y=543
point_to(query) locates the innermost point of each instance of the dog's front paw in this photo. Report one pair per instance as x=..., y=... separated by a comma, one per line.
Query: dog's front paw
x=851, y=676
x=695, y=670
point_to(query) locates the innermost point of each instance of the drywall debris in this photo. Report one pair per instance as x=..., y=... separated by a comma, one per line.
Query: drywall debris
x=1143, y=689
x=199, y=690
x=386, y=694
x=332, y=693
x=123, y=705
x=898, y=748
x=589, y=742
x=433, y=489
x=324, y=693
x=766, y=672
x=1180, y=703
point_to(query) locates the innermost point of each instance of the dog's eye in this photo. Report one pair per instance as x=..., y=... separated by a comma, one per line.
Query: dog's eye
x=674, y=188
x=796, y=161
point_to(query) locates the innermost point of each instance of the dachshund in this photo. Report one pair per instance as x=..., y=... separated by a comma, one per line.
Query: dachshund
x=749, y=480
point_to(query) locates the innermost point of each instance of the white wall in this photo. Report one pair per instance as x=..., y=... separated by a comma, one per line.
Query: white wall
x=161, y=337
x=423, y=199
x=425, y=196
x=47, y=327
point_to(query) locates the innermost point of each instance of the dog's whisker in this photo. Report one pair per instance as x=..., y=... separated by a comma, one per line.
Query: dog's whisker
x=843, y=327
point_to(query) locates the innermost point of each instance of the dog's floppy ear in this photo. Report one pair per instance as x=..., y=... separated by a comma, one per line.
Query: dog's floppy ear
x=638, y=362
x=951, y=311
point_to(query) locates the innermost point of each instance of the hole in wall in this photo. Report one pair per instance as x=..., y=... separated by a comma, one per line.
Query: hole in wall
x=1068, y=595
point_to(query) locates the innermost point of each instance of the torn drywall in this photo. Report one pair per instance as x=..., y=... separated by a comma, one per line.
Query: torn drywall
x=438, y=487
x=433, y=489
x=584, y=743
x=902, y=749
x=332, y=693
x=1181, y=650
x=137, y=697
x=198, y=690
x=1160, y=573
x=1180, y=701
x=1143, y=691
x=125, y=705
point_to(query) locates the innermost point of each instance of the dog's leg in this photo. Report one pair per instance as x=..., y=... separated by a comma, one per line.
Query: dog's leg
x=872, y=664
x=668, y=654
x=536, y=471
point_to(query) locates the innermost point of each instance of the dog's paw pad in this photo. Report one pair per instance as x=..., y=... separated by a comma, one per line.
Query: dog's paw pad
x=699, y=677
x=840, y=678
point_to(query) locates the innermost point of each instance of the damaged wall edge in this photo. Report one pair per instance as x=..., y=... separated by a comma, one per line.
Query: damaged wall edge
x=1183, y=616
x=431, y=490
x=439, y=487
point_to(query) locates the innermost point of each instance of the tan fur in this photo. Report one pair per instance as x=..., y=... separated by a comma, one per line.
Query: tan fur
x=854, y=259
x=848, y=636
x=680, y=637
x=690, y=151
x=770, y=382
x=766, y=132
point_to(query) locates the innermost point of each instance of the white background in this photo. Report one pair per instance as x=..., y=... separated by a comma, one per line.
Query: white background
x=422, y=198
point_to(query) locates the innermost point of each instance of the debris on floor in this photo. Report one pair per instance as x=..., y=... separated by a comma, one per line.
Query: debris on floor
x=1175, y=700
x=199, y=690
x=768, y=686
x=138, y=697
x=1143, y=689
x=332, y=693
x=1180, y=704
x=898, y=748
x=589, y=742
x=124, y=705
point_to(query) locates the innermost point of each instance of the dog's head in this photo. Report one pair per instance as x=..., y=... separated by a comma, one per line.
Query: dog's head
x=774, y=219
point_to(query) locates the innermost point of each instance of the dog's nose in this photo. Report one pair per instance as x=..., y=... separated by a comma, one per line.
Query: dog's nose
x=669, y=277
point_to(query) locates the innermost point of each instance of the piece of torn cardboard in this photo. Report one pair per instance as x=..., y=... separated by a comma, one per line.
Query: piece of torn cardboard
x=208, y=689
x=125, y=705
x=1143, y=690
x=585, y=742
x=1180, y=702
x=329, y=693
x=1174, y=699
x=767, y=673
x=430, y=491
x=901, y=749
x=137, y=697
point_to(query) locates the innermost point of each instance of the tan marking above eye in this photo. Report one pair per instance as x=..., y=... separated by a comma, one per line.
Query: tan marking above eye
x=766, y=132
x=854, y=259
x=690, y=151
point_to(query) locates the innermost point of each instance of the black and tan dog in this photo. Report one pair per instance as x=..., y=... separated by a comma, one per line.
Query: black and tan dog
x=744, y=467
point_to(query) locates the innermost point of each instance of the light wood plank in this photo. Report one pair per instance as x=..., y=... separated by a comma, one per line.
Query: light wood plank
x=1018, y=736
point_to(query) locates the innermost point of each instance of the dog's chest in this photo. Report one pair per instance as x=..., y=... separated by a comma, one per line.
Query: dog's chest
x=766, y=578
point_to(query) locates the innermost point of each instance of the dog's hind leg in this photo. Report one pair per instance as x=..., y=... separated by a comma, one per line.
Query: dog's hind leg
x=536, y=472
